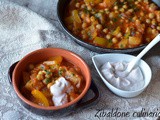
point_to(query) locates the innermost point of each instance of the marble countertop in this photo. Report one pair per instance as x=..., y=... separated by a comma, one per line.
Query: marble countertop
x=148, y=101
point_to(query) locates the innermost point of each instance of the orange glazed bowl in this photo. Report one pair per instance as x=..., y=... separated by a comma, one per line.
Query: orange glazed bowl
x=15, y=77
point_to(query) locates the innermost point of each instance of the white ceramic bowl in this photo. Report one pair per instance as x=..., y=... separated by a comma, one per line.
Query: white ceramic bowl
x=101, y=59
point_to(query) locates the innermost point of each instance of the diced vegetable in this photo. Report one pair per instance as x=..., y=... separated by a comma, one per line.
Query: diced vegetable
x=100, y=41
x=117, y=30
x=127, y=34
x=40, y=75
x=92, y=33
x=123, y=43
x=47, y=81
x=134, y=40
x=29, y=85
x=76, y=16
x=40, y=97
x=39, y=79
x=54, y=60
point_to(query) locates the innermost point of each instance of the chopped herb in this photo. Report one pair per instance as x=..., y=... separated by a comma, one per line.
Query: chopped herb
x=48, y=72
x=120, y=15
x=42, y=67
x=114, y=19
x=116, y=3
x=47, y=80
x=89, y=35
x=86, y=10
x=97, y=15
x=110, y=40
x=73, y=74
x=60, y=72
x=121, y=46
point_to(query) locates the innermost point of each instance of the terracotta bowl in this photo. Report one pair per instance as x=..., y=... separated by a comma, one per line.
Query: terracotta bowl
x=39, y=56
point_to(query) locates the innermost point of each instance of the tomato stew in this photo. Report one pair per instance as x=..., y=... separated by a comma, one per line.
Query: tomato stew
x=117, y=24
x=38, y=79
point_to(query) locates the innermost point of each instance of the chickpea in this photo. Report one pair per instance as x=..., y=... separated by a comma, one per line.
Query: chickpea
x=87, y=19
x=83, y=6
x=89, y=7
x=116, y=7
x=153, y=22
x=107, y=12
x=101, y=11
x=142, y=14
x=106, y=9
x=116, y=11
x=146, y=1
x=151, y=15
x=137, y=22
x=148, y=21
x=111, y=22
x=40, y=75
x=119, y=35
x=127, y=21
x=130, y=10
x=114, y=40
x=105, y=30
x=84, y=25
x=108, y=36
x=82, y=15
x=125, y=6
x=134, y=18
x=83, y=32
x=92, y=18
x=121, y=10
x=112, y=15
x=84, y=36
x=136, y=2
x=154, y=31
x=87, y=4
x=99, y=26
x=158, y=27
x=77, y=5
x=93, y=12
x=152, y=7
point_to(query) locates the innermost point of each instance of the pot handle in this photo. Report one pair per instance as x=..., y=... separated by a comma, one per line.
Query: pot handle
x=10, y=72
x=94, y=99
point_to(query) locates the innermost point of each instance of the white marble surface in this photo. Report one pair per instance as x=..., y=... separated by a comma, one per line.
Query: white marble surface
x=11, y=109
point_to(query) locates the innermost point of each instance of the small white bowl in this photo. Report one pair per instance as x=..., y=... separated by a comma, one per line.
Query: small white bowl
x=101, y=59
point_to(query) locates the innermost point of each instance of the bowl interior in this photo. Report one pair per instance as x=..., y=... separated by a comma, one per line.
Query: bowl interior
x=41, y=55
x=99, y=60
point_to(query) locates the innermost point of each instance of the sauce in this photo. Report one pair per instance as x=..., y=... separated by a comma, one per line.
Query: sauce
x=112, y=73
